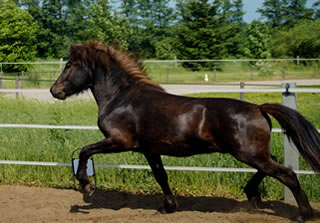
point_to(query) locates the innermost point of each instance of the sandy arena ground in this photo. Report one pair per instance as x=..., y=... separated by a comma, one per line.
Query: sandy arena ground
x=30, y=204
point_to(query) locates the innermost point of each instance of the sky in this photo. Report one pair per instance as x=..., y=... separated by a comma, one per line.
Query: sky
x=251, y=6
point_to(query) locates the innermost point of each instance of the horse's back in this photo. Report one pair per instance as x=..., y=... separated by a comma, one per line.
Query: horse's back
x=177, y=125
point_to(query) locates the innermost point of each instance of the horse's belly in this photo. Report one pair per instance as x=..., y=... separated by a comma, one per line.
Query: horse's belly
x=181, y=149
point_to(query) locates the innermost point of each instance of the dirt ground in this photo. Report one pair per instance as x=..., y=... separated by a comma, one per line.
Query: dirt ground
x=30, y=204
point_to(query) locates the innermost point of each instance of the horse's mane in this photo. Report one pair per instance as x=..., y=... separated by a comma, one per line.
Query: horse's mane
x=94, y=51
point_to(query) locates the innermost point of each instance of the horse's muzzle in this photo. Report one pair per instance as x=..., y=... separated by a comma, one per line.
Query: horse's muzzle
x=57, y=91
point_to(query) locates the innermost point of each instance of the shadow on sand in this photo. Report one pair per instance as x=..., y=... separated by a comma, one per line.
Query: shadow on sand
x=119, y=200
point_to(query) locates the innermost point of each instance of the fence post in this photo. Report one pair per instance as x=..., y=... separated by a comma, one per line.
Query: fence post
x=175, y=62
x=60, y=65
x=0, y=79
x=17, y=87
x=167, y=81
x=291, y=155
x=22, y=76
x=214, y=73
x=54, y=75
x=242, y=84
x=284, y=72
x=315, y=71
x=251, y=74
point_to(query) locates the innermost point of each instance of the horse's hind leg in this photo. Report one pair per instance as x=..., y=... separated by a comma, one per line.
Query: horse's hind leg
x=251, y=189
x=289, y=178
x=170, y=202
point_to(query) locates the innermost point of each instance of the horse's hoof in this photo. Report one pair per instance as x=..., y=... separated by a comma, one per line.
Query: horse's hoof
x=88, y=188
x=88, y=191
x=255, y=202
x=161, y=211
x=299, y=219
x=170, y=205
x=305, y=214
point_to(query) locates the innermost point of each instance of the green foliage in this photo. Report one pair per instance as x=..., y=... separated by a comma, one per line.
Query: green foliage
x=302, y=40
x=151, y=22
x=257, y=46
x=316, y=7
x=165, y=49
x=285, y=12
x=194, y=29
x=17, y=36
x=205, y=32
x=108, y=28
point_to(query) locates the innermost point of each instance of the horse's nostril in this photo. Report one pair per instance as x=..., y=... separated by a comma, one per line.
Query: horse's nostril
x=57, y=91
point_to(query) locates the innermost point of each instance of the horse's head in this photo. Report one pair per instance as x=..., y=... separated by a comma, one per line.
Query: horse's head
x=91, y=62
x=77, y=74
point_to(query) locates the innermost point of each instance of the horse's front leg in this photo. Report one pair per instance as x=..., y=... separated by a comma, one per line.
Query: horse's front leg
x=170, y=202
x=103, y=146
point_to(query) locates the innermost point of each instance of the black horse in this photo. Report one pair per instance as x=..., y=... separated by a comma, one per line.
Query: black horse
x=136, y=114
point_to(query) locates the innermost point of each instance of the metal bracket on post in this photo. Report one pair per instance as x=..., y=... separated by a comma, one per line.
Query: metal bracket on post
x=291, y=154
x=242, y=84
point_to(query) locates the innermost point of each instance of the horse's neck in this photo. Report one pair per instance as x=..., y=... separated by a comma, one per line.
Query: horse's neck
x=106, y=88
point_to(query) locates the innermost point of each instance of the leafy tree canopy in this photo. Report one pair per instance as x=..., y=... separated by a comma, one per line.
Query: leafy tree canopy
x=17, y=35
x=302, y=40
x=285, y=12
x=107, y=27
x=206, y=32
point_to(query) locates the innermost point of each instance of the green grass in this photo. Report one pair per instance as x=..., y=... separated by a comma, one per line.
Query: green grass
x=53, y=145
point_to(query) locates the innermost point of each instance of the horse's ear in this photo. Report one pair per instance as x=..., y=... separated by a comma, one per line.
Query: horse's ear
x=73, y=48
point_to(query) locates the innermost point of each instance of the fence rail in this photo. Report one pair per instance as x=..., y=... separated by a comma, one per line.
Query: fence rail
x=145, y=167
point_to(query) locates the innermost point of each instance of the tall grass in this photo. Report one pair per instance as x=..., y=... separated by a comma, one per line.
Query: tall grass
x=53, y=145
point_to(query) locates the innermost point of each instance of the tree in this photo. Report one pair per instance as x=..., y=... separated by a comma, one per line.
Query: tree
x=257, y=41
x=151, y=21
x=76, y=21
x=165, y=49
x=285, y=12
x=316, y=7
x=257, y=46
x=272, y=10
x=107, y=27
x=296, y=11
x=302, y=40
x=232, y=12
x=50, y=36
x=17, y=35
x=197, y=30
x=50, y=16
x=205, y=32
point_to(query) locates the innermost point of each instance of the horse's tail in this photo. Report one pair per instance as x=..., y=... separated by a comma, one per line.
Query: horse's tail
x=300, y=131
